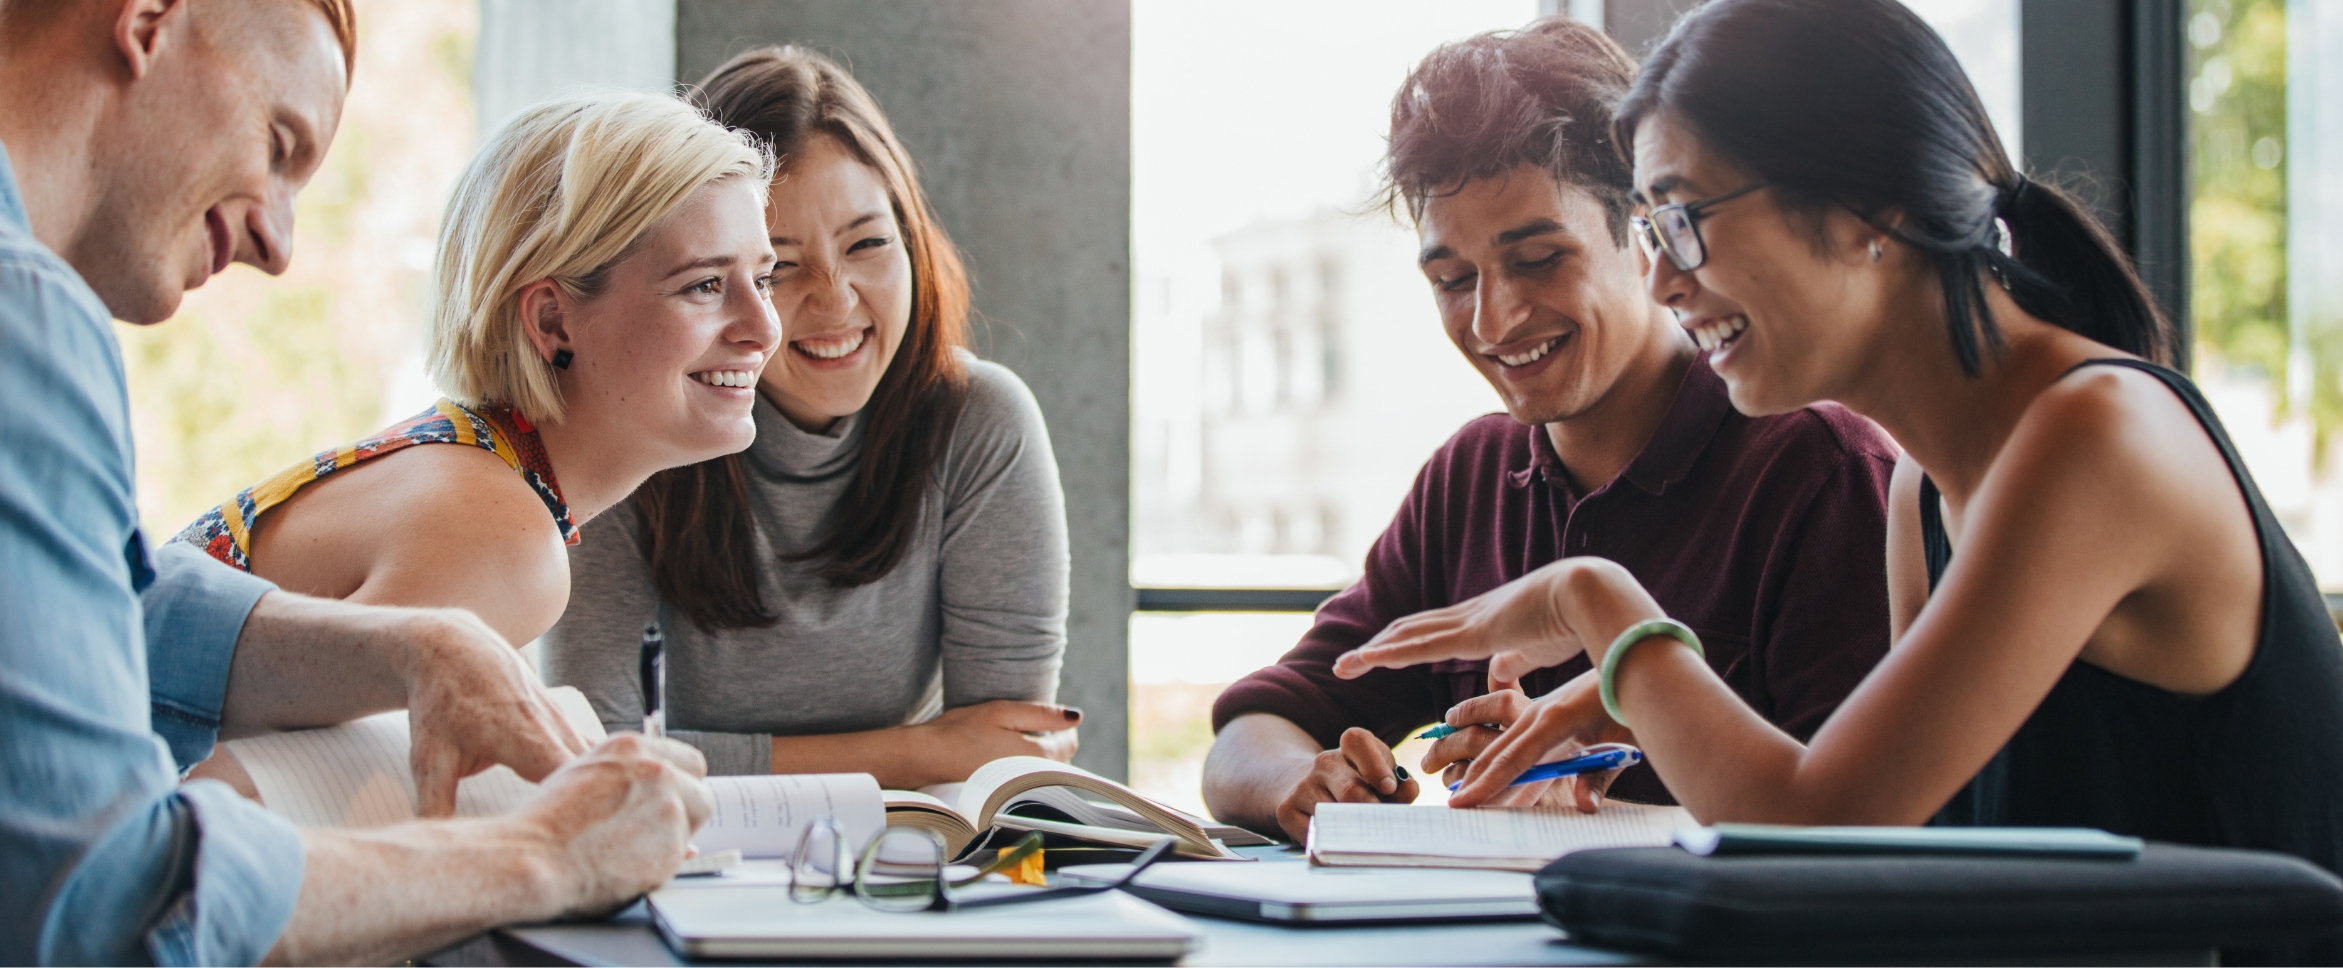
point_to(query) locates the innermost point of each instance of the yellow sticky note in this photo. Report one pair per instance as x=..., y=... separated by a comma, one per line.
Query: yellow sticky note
x=1027, y=871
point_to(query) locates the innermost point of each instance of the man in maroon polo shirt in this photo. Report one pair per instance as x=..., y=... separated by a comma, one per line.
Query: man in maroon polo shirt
x=1763, y=534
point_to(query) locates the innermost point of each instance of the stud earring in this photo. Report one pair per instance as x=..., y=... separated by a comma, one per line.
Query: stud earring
x=1876, y=251
x=561, y=357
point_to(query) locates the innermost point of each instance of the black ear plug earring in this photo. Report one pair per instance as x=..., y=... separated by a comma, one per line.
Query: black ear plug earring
x=561, y=359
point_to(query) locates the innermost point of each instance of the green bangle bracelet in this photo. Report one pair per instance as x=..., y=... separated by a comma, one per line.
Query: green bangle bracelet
x=1629, y=639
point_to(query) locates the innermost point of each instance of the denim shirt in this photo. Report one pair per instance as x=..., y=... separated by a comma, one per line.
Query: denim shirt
x=113, y=668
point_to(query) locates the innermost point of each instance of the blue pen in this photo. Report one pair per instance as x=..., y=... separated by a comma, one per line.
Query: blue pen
x=1609, y=756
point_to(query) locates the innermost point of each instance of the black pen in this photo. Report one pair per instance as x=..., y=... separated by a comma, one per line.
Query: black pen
x=654, y=678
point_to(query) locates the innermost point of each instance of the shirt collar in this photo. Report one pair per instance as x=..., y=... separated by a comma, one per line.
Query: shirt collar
x=11, y=203
x=1683, y=434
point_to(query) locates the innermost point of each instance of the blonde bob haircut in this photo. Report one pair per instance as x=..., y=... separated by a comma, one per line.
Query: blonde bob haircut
x=562, y=193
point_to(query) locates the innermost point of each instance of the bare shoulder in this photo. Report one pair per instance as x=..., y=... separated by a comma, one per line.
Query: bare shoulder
x=2113, y=460
x=431, y=525
x=2112, y=425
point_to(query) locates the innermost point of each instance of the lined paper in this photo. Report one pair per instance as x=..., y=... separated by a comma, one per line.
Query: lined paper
x=357, y=774
x=762, y=816
x=1512, y=838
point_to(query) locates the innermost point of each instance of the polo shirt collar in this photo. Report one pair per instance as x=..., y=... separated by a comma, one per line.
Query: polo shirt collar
x=11, y=203
x=1692, y=420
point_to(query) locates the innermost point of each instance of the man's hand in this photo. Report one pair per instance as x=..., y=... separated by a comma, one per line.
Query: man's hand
x=1574, y=719
x=472, y=703
x=962, y=739
x=1360, y=770
x=619, y=819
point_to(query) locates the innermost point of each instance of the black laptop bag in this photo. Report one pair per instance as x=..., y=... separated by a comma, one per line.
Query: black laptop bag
x=1778, y=908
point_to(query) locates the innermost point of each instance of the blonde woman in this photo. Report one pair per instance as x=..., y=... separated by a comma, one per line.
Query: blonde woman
x=601, y=315
x=878, y=585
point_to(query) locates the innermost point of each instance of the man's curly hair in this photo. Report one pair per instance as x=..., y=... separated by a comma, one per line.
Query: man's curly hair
x=1542, y=95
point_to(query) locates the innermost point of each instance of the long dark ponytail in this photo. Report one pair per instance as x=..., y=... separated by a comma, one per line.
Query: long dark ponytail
x=1858, y=104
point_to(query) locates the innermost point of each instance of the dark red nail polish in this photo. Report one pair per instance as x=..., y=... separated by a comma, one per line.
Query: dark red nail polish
x=1073, y=715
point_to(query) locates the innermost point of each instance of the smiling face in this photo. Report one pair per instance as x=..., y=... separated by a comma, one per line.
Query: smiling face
x=209, y=148
x=1534, y=291
x=666, y=356
x=841, y=287
x=1786, y=318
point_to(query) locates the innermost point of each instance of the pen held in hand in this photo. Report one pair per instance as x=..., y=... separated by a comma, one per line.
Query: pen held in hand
x=1444, y=730
x=654, y=681
x=1607, y=756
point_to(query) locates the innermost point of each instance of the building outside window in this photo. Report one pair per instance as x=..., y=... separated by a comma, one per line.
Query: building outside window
x=1289, y=373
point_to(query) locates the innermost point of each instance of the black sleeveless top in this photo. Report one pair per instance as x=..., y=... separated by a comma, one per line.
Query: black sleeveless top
x=2257, y=765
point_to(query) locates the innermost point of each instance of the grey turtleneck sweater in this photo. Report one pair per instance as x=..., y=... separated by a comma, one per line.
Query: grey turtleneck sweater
x=976, y=610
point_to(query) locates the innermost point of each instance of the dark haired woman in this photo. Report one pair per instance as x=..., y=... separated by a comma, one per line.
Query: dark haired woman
x=2097, y=620
x=878, y=584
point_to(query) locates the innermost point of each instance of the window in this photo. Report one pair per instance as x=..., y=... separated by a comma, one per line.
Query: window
x=1294, y=378
x=257, y=373
x=2263, y=82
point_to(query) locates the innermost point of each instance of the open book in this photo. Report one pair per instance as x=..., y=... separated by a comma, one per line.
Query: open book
x=1499, y=838
x=1033, y=793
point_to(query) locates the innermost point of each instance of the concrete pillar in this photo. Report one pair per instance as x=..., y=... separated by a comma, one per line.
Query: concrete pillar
x=1018, y=115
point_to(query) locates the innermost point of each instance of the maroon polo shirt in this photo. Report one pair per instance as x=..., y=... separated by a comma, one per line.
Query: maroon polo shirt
x=1766, y=535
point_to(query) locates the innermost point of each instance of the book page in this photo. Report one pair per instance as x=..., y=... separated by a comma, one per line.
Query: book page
x=357, y=775
x=762, y=816
x=995, y=785
x=914, y=800
x=1489, y=833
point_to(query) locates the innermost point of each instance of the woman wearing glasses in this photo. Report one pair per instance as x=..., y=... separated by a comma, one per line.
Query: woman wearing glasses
x=878, y=584
x=2098, y=622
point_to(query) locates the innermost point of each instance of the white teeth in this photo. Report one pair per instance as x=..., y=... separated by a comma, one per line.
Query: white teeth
x=727, y=378
x=1715, y=333
x=1535, y=354
x=832, y=349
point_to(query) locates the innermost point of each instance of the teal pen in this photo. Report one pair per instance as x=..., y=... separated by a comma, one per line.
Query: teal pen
x=1446, y=730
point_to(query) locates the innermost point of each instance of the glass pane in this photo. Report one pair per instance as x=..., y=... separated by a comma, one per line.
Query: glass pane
x=256, y=373
x=2264, y=299
x=1984, y=35
x=1289, y=375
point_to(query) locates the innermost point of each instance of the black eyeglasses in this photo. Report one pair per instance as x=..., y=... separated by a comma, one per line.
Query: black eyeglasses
x=907, y=869
x=1675, y=229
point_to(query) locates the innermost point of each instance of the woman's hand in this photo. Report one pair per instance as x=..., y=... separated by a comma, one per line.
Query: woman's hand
x=1538, y=620
x=1558, y=725
x=954, y=744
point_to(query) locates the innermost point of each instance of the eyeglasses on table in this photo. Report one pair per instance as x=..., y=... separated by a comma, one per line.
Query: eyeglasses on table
x=908, y=869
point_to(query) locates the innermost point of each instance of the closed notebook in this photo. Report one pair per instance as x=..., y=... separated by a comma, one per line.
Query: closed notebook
x=705, y=920
x=1290, y=892
x=1494, y=838
x=1759, y=838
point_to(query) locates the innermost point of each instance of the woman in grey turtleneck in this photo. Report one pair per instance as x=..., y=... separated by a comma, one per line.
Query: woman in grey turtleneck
x=878, y=584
